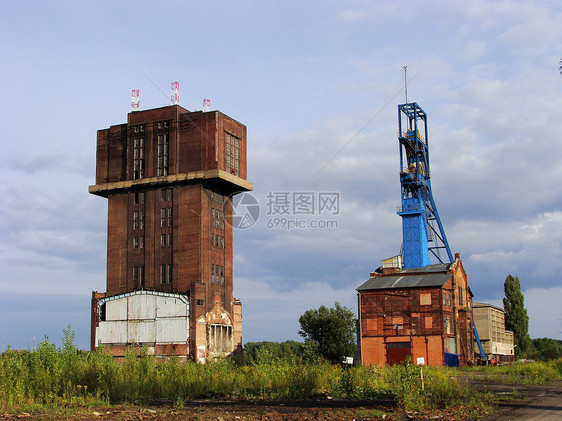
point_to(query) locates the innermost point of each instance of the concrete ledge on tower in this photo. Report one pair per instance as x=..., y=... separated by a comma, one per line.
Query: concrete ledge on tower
x=215, y=175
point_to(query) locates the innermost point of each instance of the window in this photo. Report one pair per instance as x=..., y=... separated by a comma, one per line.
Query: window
x=212, y=239
x=170, y=240
x=169, y=195
x=135, y=273
x=138, y=158
x=163, y=143
x=170, y=213
x=222, y=242
x=222, y=275
x=444, y=299
x=163, y=217
x=163, y=240
x=447, y=325
x=232, y=154
x=162, y=274
x=141, y=276
x=163, y=195
x=200, y=302
x=136, y=220
x=212, y=274
x=169, y=274
x=141, y=242
x=425, y=299
x=461, y=301
x=135, y=242
x=139, y=198
x=141, y=224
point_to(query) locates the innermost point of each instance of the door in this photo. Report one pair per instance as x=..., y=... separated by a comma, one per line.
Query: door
x=396, y=352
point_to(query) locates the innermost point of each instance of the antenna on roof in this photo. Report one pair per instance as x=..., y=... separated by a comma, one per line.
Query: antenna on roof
x=175, y=93
x=135, y=101
x=405, y=83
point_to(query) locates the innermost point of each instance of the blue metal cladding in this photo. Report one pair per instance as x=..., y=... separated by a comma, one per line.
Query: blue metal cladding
x=418, y=211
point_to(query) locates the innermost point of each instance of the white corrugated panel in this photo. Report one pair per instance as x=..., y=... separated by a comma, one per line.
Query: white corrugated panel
x=172, y=329
x=142, y=307
x=141, y=331
x=171, y=307
x=112, y=332
x=116, y=309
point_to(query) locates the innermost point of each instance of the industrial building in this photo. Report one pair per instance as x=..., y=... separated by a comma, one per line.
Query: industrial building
x=424, y=313
x=497, y=343
x=169, y=176
x=411, y=307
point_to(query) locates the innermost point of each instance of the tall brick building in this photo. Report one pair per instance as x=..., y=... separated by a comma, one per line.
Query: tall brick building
x=168, y=175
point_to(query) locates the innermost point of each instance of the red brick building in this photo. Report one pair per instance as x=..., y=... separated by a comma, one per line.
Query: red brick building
x=424, y=313
x=168, y=175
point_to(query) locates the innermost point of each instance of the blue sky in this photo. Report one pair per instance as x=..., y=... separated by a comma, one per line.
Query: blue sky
x=317, y=84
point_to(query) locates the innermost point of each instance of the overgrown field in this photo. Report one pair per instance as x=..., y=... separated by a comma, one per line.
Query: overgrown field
x=53, y=377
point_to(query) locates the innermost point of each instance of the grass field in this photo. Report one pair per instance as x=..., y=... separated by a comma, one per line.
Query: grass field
x=52, y=377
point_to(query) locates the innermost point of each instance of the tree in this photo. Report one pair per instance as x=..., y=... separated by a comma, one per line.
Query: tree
x=331, y=329
x=547, y=348
x=516, y=318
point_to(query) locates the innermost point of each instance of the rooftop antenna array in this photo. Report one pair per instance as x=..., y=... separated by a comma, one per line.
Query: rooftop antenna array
x=135, y=100
x=206, y=105
x=175, y=97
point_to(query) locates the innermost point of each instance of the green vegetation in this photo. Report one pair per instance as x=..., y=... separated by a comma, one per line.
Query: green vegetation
x=516, y=318
x=546, y=349
x=332, y=330
x=529, y=373
x=52, y=377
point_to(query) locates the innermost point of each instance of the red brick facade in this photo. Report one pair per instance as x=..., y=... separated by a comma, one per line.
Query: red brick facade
x=422, y=313
x=168, y=175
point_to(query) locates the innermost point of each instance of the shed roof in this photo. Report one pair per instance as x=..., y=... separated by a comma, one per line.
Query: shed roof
x=427, y=276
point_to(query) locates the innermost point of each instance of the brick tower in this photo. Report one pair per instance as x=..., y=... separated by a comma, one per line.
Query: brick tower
x=169, y=175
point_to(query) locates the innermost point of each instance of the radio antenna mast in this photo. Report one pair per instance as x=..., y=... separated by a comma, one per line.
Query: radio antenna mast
x=405, y=83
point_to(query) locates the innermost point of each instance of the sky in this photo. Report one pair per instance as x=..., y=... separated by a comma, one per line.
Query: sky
x=317, y=84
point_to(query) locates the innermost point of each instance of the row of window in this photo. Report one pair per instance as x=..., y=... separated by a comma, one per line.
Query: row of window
x=217, y=241
x=217, y=218
x=139, y=153
x=139, y=198
x=219, y=198
x=163, y=153
x=166, y=240
x=165, y=274
x=138, y=220
x=138, y=242
x=217, y=274
x=138, y=275
x=232, y=154
x=166, y=195
x=166, y=217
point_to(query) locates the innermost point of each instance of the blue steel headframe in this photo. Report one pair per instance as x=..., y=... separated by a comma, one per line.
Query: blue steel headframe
x=418, y=210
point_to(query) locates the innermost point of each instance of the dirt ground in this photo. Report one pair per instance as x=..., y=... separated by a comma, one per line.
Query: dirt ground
x=531, y=403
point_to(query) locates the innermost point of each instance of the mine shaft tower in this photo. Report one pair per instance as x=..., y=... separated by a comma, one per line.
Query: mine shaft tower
x=422, y=230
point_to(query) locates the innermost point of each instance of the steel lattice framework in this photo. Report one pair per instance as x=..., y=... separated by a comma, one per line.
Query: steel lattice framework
x=422, y=230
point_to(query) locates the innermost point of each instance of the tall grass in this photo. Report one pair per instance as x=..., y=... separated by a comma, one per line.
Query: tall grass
x=539, y=372
x=52, y=377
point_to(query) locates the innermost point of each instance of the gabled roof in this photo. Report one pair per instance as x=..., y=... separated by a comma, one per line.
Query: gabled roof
x=427, y=276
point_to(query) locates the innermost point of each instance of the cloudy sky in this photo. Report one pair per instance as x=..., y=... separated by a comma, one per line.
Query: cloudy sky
x=317, y=84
